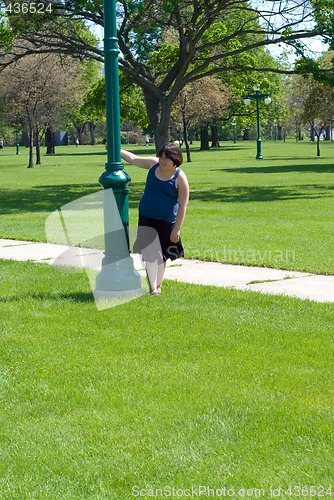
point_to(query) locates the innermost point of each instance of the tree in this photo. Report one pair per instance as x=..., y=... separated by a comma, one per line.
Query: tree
x=81, y=112
x=296, y=89
x=319, y=109
x=311, y=96
x=35, y=91
x=207, y=37
x=132, y=107
x=202, y=101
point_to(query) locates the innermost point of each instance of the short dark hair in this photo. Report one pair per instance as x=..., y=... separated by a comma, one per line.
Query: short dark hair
x=173, y=152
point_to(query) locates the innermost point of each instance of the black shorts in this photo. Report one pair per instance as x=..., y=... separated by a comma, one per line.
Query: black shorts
x=153, y=240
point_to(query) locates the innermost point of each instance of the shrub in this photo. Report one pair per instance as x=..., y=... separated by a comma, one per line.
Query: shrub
x=134, y=139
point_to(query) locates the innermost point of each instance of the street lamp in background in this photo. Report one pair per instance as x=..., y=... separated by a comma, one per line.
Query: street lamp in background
x=181, y=136
x=257, y=96
x=234, y=135
x=275, y=125
x=117, y=276
x=17, y=144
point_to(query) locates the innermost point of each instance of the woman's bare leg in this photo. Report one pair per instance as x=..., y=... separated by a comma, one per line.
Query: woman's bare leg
x=155, y=273
x=152, y=274
x=161, y=272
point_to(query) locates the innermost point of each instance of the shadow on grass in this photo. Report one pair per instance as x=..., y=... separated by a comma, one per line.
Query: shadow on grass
x=43, y=198
x=321, y=169
x=50, y=198
x=244, y=194
x=81, y=153
x=151, y=152
x=73, y=297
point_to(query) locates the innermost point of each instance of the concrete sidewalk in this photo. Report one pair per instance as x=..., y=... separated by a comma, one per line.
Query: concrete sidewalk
x=271, y=281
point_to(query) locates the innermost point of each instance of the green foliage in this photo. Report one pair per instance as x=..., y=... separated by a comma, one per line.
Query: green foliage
x=308, y=66
x=324, y=16
x=6, y=33
x=318, y=109
x=94, y=105
x=164, y=56
x=168, y=44
x=132, y=107
x=144, y=41
x=241, y=82
x=93, y=6
x=19, y=21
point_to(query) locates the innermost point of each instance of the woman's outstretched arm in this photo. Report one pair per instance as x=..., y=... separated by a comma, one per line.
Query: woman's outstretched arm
x=139, y=161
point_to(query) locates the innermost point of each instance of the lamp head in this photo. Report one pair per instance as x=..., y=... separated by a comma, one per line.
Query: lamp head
x=247, y=101
x=267, y=100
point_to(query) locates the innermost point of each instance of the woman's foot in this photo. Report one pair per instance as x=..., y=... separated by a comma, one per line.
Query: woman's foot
x=155, y=293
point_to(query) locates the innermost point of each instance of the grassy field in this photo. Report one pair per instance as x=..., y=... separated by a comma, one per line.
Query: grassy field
x=202, y=387
x=275, y=212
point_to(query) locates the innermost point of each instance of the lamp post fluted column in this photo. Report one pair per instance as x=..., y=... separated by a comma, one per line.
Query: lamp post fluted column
x=118, y=275
x=17, y=144
x=259, y=141
x=257, y=96
x=234, y=133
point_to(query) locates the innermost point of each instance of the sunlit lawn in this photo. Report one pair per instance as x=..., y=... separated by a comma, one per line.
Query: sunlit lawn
x=274, y=212
x=200, y=387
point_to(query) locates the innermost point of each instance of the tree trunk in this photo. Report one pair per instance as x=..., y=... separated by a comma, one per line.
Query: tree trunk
x=161, y=137
x=215, y=138
x=300, y=136
x=159, y=116
x=25, y=139
x=246, y=135
x=31, y=147
x=185, y=137
x=318, y=144
x=205, y=138
x=80, y=131
x=279, y=132
x=92, y=127
x=38, y=147
x=328, y=133
x=50, y=142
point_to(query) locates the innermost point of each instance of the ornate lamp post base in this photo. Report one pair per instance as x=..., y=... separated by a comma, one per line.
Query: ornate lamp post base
x=118, y=275
x=259, y=152
x=118, y=279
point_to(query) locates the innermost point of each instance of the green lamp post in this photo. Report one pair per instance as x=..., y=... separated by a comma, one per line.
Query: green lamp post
x=17, y=144
x=117, y=276
x=234, y=134
x=257, y=96
x=275, y=125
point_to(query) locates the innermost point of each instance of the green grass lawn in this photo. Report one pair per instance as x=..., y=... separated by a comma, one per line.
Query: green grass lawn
x=201, y=386
x=275, y=212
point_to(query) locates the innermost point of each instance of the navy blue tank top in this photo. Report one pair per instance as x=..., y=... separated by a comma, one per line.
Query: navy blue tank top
x=160, y=198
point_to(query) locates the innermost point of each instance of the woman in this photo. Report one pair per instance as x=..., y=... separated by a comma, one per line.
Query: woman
x=161, y=211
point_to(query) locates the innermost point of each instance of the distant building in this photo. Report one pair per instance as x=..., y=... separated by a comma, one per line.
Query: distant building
x=61, y=138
